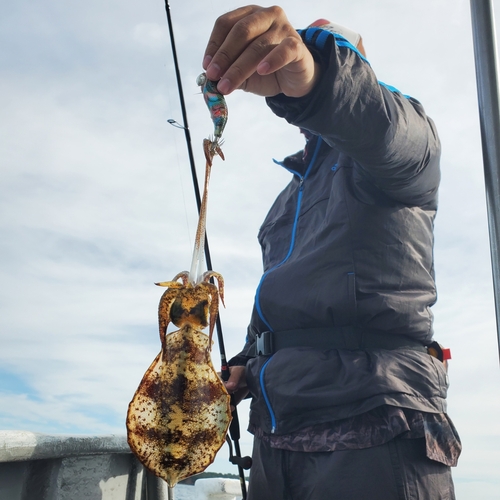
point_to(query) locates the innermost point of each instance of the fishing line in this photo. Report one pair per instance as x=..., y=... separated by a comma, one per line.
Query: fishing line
x=234, y=429
x=181, y=180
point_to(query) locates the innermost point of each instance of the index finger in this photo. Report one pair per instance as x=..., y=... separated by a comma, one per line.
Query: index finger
x=221, y=29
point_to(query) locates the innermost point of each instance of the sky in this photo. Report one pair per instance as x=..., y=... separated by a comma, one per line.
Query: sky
x=97, y=204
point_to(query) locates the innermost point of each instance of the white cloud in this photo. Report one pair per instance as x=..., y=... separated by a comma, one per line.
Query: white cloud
x=151, y=35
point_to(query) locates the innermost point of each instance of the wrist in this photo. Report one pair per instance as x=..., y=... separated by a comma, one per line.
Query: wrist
x=316, y=76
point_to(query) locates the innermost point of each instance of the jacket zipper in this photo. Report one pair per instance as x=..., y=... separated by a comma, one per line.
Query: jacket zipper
x=302, y=178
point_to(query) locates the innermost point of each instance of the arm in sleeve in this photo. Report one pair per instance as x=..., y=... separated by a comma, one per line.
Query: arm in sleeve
x=387, y=134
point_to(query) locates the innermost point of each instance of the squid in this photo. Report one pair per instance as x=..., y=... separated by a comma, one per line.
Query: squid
x=180, y=414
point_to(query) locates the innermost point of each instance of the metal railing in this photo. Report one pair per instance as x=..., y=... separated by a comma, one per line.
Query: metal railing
x=70, y=467
x=485, y=55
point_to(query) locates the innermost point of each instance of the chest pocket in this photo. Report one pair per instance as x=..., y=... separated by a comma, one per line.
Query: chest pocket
x=301, y=206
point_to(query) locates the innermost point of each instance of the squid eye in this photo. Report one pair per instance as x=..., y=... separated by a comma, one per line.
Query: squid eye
x=201, y=79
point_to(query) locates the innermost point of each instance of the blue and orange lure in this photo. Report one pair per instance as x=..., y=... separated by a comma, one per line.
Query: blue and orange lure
x=218, y=113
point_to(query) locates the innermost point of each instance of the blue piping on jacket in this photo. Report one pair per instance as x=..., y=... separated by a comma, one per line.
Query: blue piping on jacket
x=292, y=244
x=318, y=36
x=294, y=232
x=322, y=36
x=266, y=397
x=394, y=90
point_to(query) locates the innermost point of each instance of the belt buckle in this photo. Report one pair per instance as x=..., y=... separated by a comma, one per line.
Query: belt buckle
x=264, y=344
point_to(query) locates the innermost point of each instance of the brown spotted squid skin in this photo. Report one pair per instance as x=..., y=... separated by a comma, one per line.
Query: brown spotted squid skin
x=180, y=413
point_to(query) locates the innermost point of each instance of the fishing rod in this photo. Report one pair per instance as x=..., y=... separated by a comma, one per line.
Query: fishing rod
x=234, y=428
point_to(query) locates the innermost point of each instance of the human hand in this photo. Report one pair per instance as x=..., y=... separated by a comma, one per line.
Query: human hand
x=257, y=49
x=236, y=385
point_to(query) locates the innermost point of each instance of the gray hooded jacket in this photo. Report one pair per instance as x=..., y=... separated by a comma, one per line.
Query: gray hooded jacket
x=348, y=243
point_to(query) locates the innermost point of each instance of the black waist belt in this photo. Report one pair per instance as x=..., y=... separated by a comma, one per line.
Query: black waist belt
x=343, y=337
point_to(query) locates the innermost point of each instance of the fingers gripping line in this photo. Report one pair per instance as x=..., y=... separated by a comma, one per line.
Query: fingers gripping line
x=247, y=41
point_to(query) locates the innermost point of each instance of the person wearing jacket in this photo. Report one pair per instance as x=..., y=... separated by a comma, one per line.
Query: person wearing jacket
x=347, y=402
